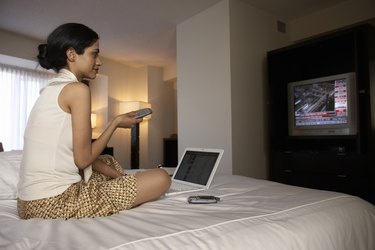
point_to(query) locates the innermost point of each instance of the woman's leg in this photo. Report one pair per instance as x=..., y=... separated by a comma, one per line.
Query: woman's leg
x=151, y=184
x=108, y=166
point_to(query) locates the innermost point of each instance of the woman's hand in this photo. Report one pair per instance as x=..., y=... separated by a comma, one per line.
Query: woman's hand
x=127, y=120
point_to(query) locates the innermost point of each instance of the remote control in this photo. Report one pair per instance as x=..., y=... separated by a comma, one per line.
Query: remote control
x=143, y=112
x=203, y=199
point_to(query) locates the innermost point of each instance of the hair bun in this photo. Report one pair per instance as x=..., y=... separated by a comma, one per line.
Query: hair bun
x=42, y=50
x=42, y=56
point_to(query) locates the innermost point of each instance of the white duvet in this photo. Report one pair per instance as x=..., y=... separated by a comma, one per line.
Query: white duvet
x=252, y=214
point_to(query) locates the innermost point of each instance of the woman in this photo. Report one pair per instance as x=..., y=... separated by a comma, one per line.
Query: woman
x=62, y=173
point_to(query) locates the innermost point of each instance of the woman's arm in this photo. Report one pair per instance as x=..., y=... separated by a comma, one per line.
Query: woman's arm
x=75, y=98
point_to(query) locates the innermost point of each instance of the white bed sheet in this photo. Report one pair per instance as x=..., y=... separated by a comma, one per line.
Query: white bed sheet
x=252, y=214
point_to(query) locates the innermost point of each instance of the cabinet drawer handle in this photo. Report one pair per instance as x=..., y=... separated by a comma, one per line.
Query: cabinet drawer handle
x=287, y=171
x=342, y=175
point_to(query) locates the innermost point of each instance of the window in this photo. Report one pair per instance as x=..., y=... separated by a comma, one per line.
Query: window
x=19, y=89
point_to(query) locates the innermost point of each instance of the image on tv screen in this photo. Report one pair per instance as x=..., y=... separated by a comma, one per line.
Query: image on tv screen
x=321, y=103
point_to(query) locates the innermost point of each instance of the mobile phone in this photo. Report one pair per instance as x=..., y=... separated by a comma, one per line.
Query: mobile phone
x=143, y=112
x=203, y=199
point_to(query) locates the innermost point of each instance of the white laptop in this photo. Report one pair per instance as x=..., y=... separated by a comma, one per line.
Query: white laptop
x=195, y=170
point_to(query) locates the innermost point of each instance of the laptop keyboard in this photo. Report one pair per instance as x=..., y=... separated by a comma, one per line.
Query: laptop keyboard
x=178, y=187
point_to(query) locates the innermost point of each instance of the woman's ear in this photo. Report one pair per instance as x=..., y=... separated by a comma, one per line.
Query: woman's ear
x=71, y=54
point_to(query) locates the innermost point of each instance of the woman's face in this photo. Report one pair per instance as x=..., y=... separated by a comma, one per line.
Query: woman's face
x=87, y=65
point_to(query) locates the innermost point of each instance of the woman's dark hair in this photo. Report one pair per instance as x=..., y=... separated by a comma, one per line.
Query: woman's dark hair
x=52, y=55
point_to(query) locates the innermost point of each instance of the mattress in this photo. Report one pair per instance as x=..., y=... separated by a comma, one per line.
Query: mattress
x=252, y=214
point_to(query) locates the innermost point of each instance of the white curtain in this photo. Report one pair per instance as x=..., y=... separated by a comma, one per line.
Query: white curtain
x=19, y=89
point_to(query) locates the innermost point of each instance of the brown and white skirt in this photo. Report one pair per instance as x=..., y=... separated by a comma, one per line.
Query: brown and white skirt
x=100, y=196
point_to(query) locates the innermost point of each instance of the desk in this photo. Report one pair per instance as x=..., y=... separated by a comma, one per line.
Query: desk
x=170, y=152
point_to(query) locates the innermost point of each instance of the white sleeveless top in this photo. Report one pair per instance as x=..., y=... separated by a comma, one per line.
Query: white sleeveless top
x=47, y=167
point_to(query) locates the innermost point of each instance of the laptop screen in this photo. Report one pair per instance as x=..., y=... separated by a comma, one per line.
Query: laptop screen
x=196, y=167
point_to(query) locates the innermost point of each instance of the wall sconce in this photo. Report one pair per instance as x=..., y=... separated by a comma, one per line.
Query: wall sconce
x=93, y=120
x=126, y=107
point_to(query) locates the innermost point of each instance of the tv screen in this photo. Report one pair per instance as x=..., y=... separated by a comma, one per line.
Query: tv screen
x=323, y=106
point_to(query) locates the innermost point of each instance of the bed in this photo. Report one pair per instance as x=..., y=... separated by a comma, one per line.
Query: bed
x=252, y=214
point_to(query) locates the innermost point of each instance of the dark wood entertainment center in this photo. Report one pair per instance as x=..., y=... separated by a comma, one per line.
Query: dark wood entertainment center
x=338, y=163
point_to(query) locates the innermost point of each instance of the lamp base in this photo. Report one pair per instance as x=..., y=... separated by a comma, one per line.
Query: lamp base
x=134, y=147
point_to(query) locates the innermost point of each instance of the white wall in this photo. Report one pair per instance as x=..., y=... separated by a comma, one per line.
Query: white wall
x=164, y=119
x=170, y=73
x=203, y=73
x=221, y=83
x=118, y=87
x=99, y=103
x=142, y=84
x=344, y=14
x=253, y=33
x=18, y=46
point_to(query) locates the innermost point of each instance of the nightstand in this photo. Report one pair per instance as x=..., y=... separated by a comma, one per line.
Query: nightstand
x=107, y=150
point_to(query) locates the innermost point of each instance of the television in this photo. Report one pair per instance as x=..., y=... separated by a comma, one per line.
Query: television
x=323, y=106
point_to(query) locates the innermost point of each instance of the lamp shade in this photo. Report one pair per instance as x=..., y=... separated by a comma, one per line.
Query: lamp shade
x=128, y=106
x=93, y=120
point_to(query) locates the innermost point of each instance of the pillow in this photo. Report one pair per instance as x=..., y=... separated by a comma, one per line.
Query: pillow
x=10, y=162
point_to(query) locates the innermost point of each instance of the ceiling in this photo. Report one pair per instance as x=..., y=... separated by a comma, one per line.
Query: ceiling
x=136, y=32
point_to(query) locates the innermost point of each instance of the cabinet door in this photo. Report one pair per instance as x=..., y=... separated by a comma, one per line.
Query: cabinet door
x=342, y=173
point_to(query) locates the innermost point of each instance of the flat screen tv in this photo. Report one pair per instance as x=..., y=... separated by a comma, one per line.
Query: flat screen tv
x=323, y=106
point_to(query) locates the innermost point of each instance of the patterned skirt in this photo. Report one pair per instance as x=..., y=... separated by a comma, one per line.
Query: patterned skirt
x=100, y=196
